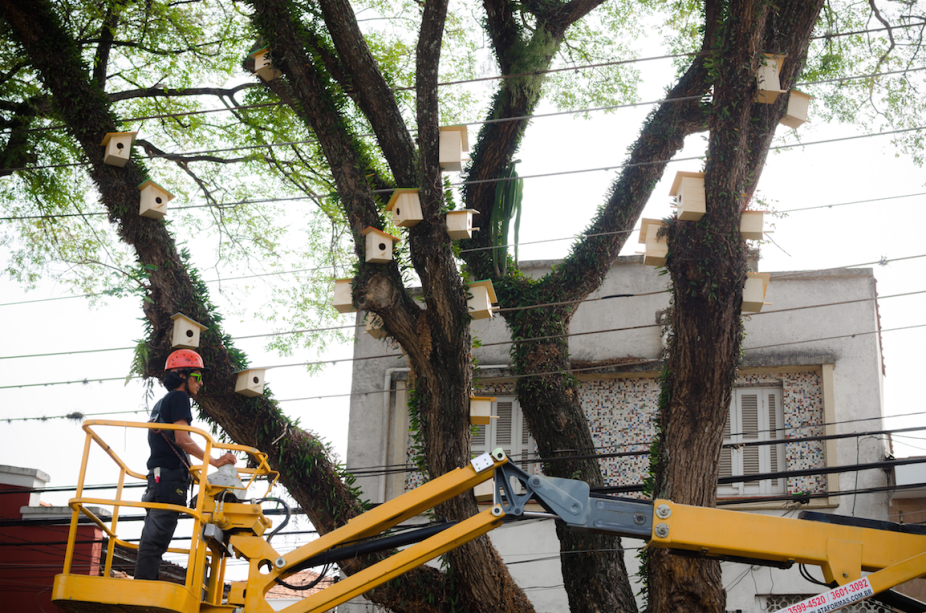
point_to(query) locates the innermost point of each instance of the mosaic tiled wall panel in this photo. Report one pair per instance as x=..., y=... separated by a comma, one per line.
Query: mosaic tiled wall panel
x=621, y=416
x=802, y=404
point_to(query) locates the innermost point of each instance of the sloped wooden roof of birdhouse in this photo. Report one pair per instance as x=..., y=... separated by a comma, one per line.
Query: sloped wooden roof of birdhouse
x=149, y=181
x=238, y=372
x=801, y=94
x=177, y=316
x=682, y=174
x=397, y=193
x=765, y=276
x=489, y=398
x=370, y=229
x=260, y=51
x=486, y=283
x=777, y=58
x=110, y=135
x=464, y=134
x=644, y=227
x=463, y=211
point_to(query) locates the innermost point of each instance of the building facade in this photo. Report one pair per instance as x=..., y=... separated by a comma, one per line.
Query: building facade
x=808, y=371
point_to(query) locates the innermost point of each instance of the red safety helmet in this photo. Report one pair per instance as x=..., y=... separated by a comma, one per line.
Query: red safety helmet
x=185, y=358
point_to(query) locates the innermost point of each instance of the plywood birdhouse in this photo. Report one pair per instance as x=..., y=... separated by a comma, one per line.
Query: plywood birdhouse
x=754, y=291
x=263, y=64
x=751, y=225
x=373, y=326
x=154, y=199
x=378, y=245
x=480, y=305
x=343, y=296
x=767, y=78
x=454, y=140
x=405, y=207
x=798, y=109
x=656, y=248
x=118, y=148
x=460, y=223
x=688, y=191
x=250, y=382
x=480, y=410
x=186, y=332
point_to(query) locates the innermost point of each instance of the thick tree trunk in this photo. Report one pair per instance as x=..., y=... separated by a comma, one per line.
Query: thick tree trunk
x=707, y=263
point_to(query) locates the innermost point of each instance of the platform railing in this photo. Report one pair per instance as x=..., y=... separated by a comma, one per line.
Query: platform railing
x=197, y=552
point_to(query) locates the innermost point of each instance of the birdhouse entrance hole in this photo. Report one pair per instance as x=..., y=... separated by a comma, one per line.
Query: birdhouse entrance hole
x=382, y=246
x=256, y=379
x=158, y=200
x=120, y=146
x=189, y=333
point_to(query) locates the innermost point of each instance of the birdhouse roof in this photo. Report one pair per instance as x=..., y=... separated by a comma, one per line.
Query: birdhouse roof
x=177, y=316
x=682, y=174
x=260, y=51
x=765, y=276
x=370, y=229
x=148, y=182
x=348, y=279
x=110, y=135
x=800, y=94
x=644, y=227
x=463, y=211
x=397, y=193
x=253, y=369
x=464, y=134
x=486, y=283
x=489, y=398
x=777, y=58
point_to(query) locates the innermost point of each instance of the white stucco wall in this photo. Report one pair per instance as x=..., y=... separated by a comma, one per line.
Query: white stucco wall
x=853, y=390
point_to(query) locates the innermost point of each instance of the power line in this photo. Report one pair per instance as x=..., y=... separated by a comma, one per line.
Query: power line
x=505, y=179
x=829, y=206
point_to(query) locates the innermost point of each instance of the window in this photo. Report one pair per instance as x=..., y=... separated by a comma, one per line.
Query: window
x=509, y=432
x=755, y=415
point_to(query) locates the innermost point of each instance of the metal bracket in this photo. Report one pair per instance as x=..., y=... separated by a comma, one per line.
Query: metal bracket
x=569, y=500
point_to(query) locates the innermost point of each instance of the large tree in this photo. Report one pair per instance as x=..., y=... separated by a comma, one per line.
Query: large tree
x=339, y=81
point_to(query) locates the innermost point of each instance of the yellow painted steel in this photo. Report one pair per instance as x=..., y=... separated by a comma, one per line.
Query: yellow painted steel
x=78, y=593
x=898, y=573
x=402, y=562
x=842, y=551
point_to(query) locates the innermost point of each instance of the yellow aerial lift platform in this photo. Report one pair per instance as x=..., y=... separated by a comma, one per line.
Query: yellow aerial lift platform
x=226, y=525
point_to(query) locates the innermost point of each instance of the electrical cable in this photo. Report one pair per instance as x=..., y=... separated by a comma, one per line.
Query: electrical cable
x=285, y=506
x=506, y=179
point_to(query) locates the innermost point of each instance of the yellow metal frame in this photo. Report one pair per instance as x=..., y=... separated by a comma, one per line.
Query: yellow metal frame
x=251, y=594
x=69, y=587
x=843, y=552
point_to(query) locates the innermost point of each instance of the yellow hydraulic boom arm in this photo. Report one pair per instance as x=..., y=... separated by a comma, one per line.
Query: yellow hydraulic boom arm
x=233, y=526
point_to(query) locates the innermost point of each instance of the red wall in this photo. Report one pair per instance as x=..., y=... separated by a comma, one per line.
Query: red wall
x=31, y=556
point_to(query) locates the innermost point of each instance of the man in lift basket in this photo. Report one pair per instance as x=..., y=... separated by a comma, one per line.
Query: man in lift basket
x=169, y=462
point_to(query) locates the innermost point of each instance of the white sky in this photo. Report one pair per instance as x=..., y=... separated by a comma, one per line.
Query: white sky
x=554, y=207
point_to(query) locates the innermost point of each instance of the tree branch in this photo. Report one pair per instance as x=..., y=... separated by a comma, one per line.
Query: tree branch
x=166, y=92
x=376, y=98
x=107, y=34
x=154, y=152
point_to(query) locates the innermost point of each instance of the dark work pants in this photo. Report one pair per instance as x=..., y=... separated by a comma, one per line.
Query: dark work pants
x=160, y=525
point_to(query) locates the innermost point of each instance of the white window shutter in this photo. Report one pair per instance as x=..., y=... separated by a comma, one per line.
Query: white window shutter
x=755, y=414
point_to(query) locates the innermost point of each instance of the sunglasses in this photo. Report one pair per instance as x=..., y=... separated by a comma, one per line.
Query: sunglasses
x=196, y=376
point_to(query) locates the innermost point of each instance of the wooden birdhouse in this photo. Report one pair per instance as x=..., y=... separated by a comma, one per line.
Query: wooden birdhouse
x=343, y=296
x=688, y=191
x=751, y=224
x=656, y=248
x=405, y=207
x=480, y=410
x=118, y=148
x=754, y=291
x=460, y=223
x=154, y=199
x=373, y=325
x=186, y=332
x=798, y=109
x=767, y=78
x=250, y=382
x=454, y=140
x=480, y=305
x=263, y=64
x=378, y=245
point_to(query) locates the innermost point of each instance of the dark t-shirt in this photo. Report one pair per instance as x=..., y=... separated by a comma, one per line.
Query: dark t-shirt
x=174, y=407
